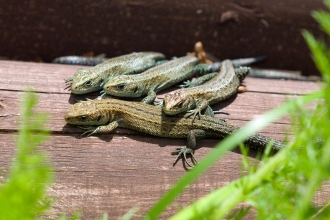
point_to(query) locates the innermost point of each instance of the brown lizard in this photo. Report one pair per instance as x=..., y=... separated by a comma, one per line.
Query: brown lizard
x=104, y=116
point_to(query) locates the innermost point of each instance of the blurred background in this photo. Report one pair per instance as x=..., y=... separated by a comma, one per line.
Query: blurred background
x=43, y=30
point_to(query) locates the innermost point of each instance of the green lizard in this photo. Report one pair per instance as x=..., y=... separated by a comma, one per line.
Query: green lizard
x=155, y=79
x=104, y=116
x=220, y=87
x=90, y=80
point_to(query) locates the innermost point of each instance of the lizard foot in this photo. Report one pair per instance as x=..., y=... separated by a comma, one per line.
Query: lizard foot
x=186, y=84
x=103, y=95
x=68, y=81
x=68, y=87
x=194, y=112
x=158, y=103
x=184, y=151
x=90, y=130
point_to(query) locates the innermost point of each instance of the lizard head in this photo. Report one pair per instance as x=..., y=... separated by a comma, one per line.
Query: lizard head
x=123, y=86
x=86, y=113
x=177, y=102
x=84, y=81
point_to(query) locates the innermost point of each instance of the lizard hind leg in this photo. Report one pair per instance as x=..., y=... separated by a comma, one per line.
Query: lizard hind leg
x=193, y=135
x=150, y=98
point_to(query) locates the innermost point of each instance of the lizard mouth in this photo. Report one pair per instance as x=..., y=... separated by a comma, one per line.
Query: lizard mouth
x=173, y=111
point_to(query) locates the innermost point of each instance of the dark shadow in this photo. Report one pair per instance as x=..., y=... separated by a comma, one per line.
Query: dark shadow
x=73, y=99
x=225, y=103
x=74, y=131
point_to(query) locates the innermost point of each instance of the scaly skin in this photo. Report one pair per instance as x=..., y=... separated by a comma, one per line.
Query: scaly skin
x=89, y=80
x=220, y=87
x=153, y=80
x=108, y=114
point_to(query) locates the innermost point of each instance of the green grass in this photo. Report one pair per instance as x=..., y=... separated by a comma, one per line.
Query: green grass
x=23, y=194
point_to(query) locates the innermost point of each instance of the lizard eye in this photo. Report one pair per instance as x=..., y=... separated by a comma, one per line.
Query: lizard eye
x=82, y=118
x=89, y=83
x=121, y=86
x=180, y=104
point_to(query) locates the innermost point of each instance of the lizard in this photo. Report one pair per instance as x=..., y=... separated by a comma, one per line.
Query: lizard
x=155, y=79
x=220, y=87
x=105, y=115
x=90, y=80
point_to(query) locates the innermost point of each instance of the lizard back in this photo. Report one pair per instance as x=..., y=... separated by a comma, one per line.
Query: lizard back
x=155, y=79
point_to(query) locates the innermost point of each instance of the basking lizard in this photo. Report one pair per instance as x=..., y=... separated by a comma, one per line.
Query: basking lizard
x=104, y=116
x=90, y=80
x=155, y=79
x=220, y=87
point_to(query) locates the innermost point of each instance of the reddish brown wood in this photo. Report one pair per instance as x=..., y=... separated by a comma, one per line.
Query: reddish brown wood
x=112, y=173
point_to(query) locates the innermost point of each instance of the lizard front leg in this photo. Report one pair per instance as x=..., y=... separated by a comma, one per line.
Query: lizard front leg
x=150, y=98
x=204, y=106
x=201, y=105
x=193, y=135
x=100, y=129
x=198, y=81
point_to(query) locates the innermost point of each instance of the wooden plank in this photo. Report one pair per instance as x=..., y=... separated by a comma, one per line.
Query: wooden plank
x=49, y=78
x=240, y=111
x=114, y=172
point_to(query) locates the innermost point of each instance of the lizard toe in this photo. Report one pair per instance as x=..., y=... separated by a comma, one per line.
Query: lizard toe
x=184, y=151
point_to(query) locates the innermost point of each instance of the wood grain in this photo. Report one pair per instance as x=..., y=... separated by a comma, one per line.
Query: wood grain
x=114, y=172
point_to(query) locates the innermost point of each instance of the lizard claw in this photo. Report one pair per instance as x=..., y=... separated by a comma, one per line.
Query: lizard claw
x=184, y=151
x=90, y=130
x=68, y=81
x=158, y=103
x=186, y=84
x=194, y=113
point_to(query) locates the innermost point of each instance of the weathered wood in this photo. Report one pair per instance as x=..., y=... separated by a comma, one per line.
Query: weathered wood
x=227, y=28
x=114, y=172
